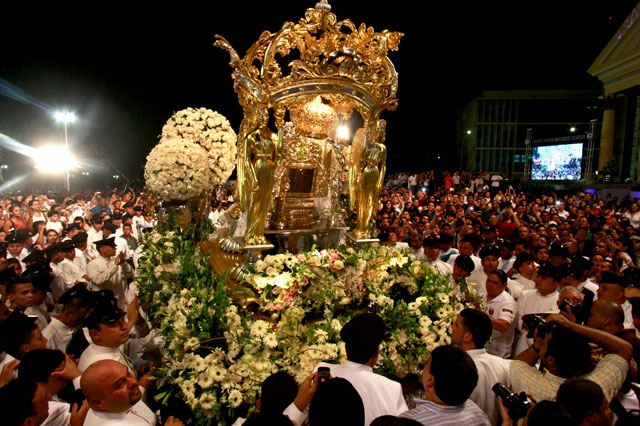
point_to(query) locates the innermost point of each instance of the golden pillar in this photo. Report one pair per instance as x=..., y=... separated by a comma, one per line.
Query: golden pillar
x=607, y=135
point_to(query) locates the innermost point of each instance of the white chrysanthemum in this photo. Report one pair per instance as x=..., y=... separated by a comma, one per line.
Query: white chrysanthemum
x=235, y=398
x=321, y=335
x=259, y=328
x=441, y=312
x=207, y=401
x=210, y=130
x=270, y=340
x=177, y=170
x=443, y=297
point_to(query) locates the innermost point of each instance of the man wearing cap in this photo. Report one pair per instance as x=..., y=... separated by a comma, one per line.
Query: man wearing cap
x=108, y=231
x=94, y=234
x=544, y=299
x=380, y=396
x=41, y=281
x=16, y=249
x=109, y=331
x=55, y=257
x=109, y=271
x=80, y=245
x=61, y=328
x=611, y=288
x=431, y=246
x=71, y=273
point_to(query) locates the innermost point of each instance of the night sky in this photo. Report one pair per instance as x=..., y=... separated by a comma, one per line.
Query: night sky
x=125, y=68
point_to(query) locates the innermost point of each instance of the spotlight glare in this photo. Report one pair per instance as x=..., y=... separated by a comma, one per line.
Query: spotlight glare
x=468, y=132
x=54, y=159
x=65, y=117
x=343, y=131
x=572, y=129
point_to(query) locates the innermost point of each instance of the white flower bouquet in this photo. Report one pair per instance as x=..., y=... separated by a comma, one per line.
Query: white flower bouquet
x=210, y=130
x=177, y=169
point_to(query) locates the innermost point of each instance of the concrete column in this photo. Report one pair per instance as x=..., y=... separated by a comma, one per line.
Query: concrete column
x=607, y=134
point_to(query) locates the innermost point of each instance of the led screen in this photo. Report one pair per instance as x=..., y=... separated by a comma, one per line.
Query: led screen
x=557, y=162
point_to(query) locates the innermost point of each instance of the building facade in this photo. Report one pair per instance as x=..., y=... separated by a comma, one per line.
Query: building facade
x=492, y=129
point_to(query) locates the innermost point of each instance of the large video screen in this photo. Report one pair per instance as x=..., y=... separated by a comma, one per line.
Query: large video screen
x=557, y=162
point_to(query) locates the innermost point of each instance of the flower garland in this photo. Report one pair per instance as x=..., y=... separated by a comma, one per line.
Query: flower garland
x=174, y=170
x=217, y=354
x=210, y=130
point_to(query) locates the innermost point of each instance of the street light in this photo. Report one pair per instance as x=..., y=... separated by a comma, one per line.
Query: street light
x=65, y=117
x=572, y=129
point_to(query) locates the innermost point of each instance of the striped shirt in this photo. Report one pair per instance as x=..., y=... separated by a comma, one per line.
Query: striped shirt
x=432, y=414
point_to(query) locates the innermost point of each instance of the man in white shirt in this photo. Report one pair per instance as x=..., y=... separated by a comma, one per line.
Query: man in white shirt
x=115, y=398
x=468, y=245
x=108, y=231
x=501, y=308
x=61, y=328
x=431, y=246
x=505, y=262
x=71, y=273
x=470, y=332
x=94, y=234
x=489, y=260
x=544, y=299
x=109, y=272
x=525, y=267
x=612, y=289
x=16, y=249
x=80, y=244
x=380, y=396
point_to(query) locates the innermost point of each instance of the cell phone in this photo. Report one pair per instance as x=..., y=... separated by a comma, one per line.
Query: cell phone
x=323, y=374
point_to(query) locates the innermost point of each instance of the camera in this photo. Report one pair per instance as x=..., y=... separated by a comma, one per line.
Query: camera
x=517, y=405
x=535, y=321
x=581, y=311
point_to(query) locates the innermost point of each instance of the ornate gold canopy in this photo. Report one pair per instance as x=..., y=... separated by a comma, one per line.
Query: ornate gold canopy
x=330, y=62
x=330, y=57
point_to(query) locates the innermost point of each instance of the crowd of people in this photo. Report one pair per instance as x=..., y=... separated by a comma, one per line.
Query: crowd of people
x=549, y=334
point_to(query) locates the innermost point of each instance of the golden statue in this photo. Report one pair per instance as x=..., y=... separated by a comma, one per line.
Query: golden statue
x=373, y=169
x=354, y=166
x=260, y=157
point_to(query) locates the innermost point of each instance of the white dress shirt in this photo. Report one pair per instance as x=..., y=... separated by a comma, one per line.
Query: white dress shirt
x=105, y=274
x=59, y=414
x=441, y=267
x=476, y=261
x=71, y=273
x=58, y=334
x=380, y=396
x=532, y=302
x=41, y=321
x=138, y=415
x=80, y=261
x=491, y=370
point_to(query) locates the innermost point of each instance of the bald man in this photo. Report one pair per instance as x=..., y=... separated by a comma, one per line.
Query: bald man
x=609, y=316
x=114, y=397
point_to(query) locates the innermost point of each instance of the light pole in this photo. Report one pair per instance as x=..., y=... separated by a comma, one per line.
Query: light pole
x=65, y=118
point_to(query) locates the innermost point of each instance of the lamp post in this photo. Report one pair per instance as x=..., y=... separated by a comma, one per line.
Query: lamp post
x=65, y=118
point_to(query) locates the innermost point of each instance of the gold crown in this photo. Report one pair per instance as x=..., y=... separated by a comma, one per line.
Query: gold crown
x=347, y=65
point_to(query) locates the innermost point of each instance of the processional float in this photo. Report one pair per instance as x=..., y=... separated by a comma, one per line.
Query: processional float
x=296, y=172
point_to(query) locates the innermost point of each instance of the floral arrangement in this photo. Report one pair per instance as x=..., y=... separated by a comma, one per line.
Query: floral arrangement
x=174, y=170
x=211, y=131
x=217, y=354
